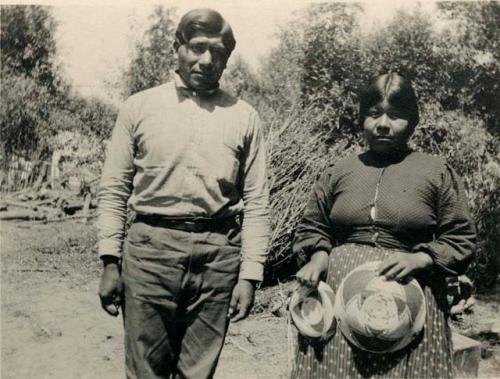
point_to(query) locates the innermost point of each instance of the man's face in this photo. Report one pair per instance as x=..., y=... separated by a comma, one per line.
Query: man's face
x=202, y=60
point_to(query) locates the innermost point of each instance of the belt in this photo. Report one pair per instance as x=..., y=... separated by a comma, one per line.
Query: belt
x=194, y=224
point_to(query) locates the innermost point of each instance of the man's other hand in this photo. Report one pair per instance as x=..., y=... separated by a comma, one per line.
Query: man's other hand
x=242, y=300
x=111, y=288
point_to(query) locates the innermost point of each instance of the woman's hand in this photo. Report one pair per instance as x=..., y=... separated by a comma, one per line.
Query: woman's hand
x=401, y=266
x=312, y=272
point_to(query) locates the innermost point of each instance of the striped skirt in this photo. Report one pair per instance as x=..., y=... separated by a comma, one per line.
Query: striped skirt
x=429, y=356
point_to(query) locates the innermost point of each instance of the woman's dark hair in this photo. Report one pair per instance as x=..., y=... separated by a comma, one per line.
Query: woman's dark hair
x=394, y=89
x=207, y=21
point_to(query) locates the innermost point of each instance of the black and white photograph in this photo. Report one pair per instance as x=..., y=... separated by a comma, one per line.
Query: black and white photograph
x=238, y=189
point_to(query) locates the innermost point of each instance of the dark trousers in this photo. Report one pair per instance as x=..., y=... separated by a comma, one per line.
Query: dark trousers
x=178, y=285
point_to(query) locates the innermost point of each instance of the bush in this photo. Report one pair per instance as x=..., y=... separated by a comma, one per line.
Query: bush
x=471, y=50
x=95, y=116
x=474, y=153
x=24, y=112
x=37, y=103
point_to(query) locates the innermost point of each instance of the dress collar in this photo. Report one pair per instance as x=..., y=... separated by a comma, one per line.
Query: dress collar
x=381, y=160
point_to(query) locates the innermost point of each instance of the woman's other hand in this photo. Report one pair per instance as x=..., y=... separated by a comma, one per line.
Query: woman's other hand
x=312, y=272
x=401, y=266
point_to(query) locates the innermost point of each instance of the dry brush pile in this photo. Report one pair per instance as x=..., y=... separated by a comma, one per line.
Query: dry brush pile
x=298, y=153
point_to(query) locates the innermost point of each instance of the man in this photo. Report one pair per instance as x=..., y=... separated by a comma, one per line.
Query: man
x=189, y=159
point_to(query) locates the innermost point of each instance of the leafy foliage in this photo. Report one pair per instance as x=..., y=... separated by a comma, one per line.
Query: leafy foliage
x=96, y=117
x=242, y=82
x=28, y=43
x=153, y=57
x=473, y=152
x=471, y=45
x=325, y=58
x=24, y=113
x=38, y=104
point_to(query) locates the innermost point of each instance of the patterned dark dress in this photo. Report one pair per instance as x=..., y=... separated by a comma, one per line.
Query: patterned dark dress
x=363, y=208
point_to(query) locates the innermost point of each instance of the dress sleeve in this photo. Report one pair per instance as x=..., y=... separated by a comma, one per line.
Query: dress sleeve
x=454, y=245
x=314, y=231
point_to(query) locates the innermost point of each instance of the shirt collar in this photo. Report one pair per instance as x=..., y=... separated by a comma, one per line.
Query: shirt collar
x=187, y=91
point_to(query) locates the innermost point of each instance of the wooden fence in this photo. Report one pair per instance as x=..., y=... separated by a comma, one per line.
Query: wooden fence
x=18, y=173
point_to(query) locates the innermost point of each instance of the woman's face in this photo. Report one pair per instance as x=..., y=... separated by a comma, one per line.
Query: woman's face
x=386, y=129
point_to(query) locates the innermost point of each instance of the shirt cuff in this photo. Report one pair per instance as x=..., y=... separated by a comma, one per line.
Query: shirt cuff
x=110, y=247
x=252, y=271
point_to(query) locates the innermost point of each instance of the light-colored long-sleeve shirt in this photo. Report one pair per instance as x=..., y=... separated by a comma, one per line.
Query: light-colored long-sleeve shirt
x=177, y=153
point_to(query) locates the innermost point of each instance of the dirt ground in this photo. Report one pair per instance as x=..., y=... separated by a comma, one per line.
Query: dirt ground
x=52, y=325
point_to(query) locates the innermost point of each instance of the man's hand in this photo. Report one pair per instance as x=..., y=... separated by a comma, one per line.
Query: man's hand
x=111, y=288
x=312, y=272
x=241, y=300
x=401, y=266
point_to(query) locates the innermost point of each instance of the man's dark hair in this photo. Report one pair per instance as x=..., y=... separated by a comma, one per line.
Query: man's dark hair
x=207, y=21
x=394, y=89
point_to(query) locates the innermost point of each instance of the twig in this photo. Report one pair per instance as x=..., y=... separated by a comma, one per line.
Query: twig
x=27, y=205
x=290, y=345
x=71, y=218
x=33, y=270
x=67, y=218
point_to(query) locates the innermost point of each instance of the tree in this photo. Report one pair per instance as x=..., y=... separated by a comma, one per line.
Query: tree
x=30, y=78
x=37, y=102
x=472, y=43
x=476, y=23
x=27, y=38
x=242, y=82
x=317, y=62
x=280, y=72
x=153, y=57
x=24, y=113
x=96, y=116
x=406, y=46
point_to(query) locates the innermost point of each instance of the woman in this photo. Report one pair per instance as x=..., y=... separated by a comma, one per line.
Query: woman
x=404, y=208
